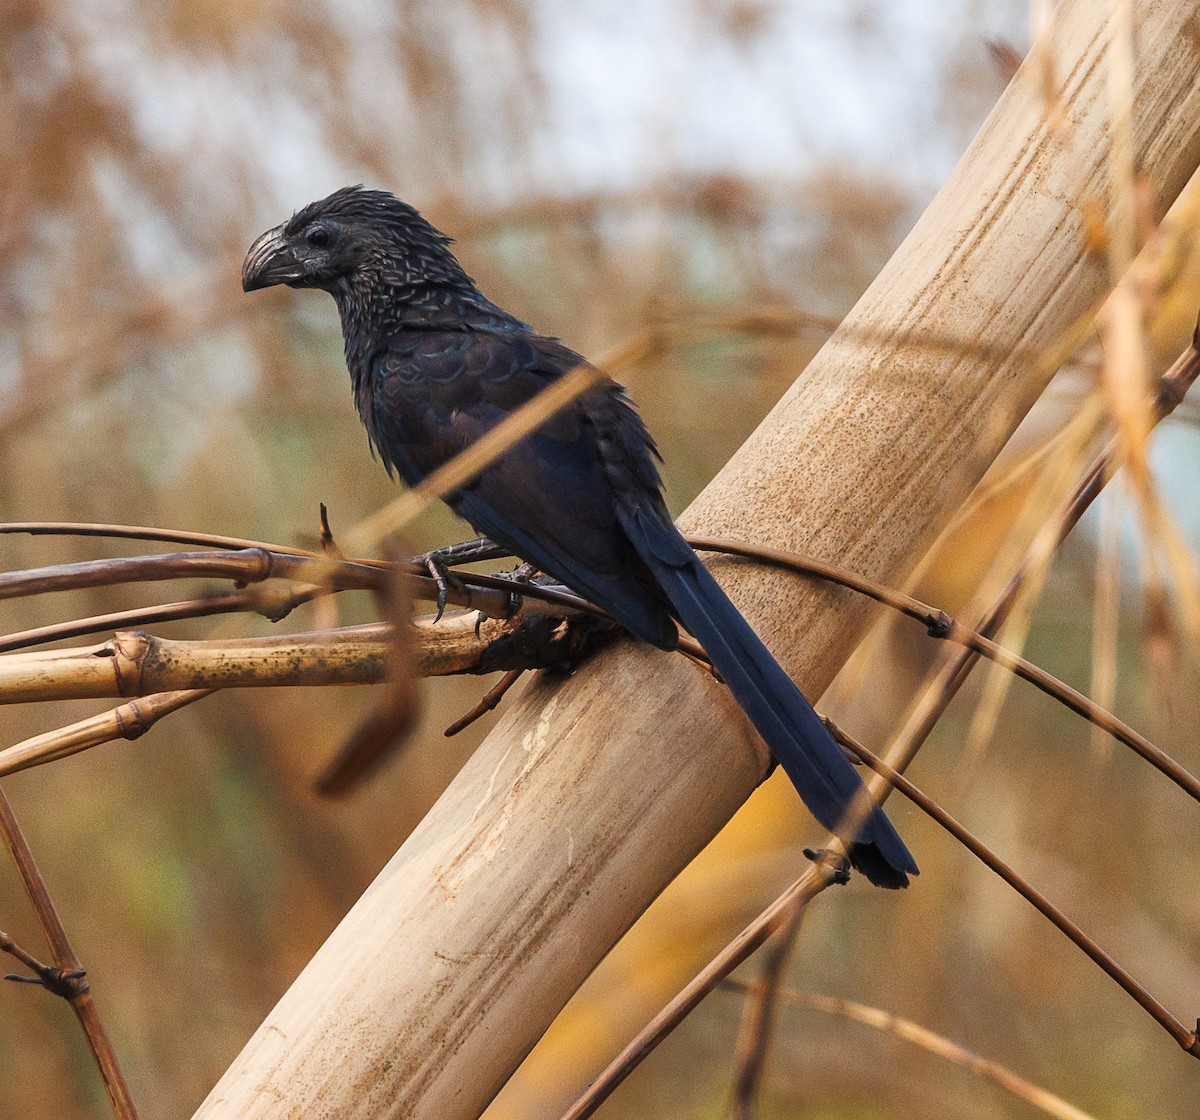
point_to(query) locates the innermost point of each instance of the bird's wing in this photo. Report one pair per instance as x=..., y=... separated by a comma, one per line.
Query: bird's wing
x=552, y=499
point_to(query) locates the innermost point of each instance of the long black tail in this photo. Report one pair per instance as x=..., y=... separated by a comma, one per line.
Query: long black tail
x=821, y=773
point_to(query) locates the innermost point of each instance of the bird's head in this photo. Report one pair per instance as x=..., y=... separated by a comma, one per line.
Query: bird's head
x=353, y=235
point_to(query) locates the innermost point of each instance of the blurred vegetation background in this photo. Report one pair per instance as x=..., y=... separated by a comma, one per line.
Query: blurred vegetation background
x=603, y=167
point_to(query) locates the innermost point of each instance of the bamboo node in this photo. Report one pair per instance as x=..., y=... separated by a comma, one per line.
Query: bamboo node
x=68, y=984
x=131, y=721
x=833, y=864
x=129, y=650
x=939, y=624
x=263, y=558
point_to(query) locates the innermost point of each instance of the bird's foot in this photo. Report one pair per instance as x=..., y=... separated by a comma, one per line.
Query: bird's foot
x=439, y=562
x=445, y=580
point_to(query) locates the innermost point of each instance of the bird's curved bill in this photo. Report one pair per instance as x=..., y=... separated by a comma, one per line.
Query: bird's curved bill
x=269, y=262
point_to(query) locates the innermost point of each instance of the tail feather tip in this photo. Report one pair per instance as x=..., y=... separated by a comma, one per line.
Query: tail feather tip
x=866, y=857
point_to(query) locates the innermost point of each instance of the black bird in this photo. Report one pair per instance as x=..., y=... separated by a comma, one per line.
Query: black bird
x=435, y=364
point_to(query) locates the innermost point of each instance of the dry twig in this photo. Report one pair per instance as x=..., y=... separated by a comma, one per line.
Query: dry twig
x=488, y=703
x=759, y=1011
x=1048, y=1102
x=1186, y=1038
x=66, y=977
x=129, y=721
x=938, y=624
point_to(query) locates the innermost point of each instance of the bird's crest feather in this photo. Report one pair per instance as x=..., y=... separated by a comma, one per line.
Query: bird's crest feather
x=380, y=208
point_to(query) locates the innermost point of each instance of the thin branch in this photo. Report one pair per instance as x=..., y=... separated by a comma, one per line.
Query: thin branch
x=1186, y=1038
x=75, y=989
x=941, y=625
x=35, y=886
x=495, y=596
x=518, y=596
x=44, y=973
x=146, y=533
x=129, y=721
x=935, y=1043
x=815, y=878
x=759, y=1013
x=188, y=537
x=249, y=565
x=487, y=703
x=274, y=607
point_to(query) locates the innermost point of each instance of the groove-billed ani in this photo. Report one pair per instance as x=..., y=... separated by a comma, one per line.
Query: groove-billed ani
x=434, y=364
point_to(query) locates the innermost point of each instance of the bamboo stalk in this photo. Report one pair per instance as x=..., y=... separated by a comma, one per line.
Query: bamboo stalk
x=125, y=722
x=142, y=664
x=134, y=663
x=592, y=793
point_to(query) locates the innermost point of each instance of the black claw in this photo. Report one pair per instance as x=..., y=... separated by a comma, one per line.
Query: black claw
x=439, y=571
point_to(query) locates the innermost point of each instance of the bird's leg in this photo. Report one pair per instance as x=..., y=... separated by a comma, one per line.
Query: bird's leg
x=466, y=552
x=439, y=562
x=522, y=573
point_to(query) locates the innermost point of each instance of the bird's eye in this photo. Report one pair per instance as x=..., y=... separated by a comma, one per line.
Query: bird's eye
x=317, y=237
